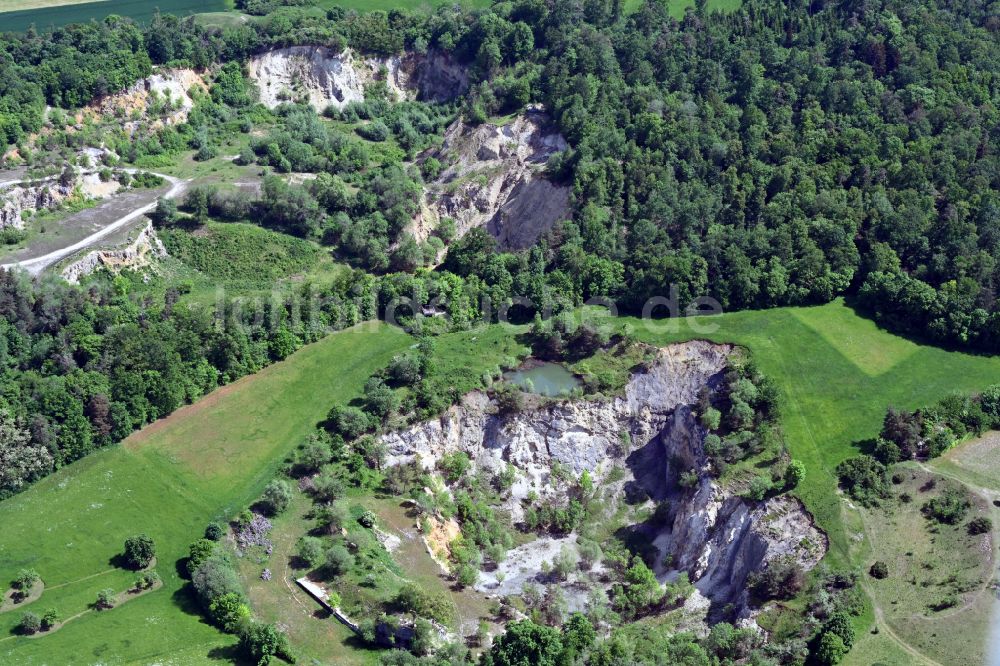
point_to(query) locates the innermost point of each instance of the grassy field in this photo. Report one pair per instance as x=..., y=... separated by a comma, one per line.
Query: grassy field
x=16, y=5
x=170, y=479
x=928, y=564
x=411, y=5
x=19, y=15
x=678, y=7
x=203, y=462
x=66, y=13
x=242, y=253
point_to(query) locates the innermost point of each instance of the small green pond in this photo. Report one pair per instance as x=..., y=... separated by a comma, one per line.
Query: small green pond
x=548, y=379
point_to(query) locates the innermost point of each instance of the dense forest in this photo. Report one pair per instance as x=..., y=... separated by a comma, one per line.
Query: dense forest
x=786, y=153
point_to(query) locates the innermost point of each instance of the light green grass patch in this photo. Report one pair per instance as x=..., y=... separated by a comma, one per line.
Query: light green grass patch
x=64, y=13
x=677, y=8
x=929, y=562
x=242, y=253
x=409, y=5
x=976, y=461
x=860, y=342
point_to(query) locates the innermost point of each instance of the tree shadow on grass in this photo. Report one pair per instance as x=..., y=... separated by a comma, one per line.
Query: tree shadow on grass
x=229, y=654
x=186, y=601
x=119, y=561
x=866, y=446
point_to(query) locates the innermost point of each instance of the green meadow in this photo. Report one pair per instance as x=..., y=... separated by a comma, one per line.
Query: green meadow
x=204, y=462
x=43, y=14
x=836, y=370
x=139, y=10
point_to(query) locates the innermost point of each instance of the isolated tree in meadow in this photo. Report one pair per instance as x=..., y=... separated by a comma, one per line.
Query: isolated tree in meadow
x=466, y=575
x=980, y=525
x=879, y=570
x=25, y=580
x=49, y=619
x=30, y=623
x=147, y=580
x=139, y=551
x=105, y=599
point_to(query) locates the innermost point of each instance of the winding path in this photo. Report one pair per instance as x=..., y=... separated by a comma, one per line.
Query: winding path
x=35, y=265
x=987, y=494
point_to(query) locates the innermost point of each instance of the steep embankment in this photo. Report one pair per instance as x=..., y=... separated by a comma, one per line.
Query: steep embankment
x=715, y=536
x=24, y=197
x=165, y=98
x=493, y=178
x=322, y=77
x=139, y=252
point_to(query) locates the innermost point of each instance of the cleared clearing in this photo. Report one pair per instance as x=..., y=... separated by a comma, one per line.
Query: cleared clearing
x=930, y=566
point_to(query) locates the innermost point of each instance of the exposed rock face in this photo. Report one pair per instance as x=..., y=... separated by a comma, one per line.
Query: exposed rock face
x=166, y=84
x=49, y=193
x=493, y=179
x=139, y=253
x=17, y=199
x=717, y=537
x=322, y=77
x=582, y=435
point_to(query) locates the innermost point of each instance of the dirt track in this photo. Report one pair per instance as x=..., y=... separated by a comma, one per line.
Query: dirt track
x=121, y=209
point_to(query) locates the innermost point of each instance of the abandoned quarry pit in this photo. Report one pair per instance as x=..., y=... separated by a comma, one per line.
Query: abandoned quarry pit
x=715, y=536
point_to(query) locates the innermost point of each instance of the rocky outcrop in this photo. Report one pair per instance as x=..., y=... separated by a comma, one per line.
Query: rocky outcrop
x=493, y=178
x=17, y=199
x=49, y=193
x=139, y=253
x=720, y=538
x=322, y=77
x=580, y=435
x=163, y=98
x=717, y=537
